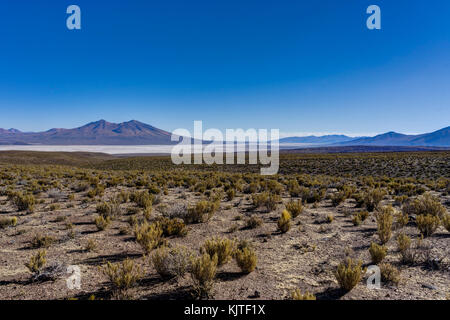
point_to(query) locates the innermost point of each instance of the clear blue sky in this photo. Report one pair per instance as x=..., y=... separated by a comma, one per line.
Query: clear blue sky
x=300, y=66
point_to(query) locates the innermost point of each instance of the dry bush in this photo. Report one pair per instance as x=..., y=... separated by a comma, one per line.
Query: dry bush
x=284, y=222
x=372, y=198
x=403, y=242
x=40, y=241
x=203, y=271
x=37, y=262
x=348, y=274
x=254, y=222
x=427, y=224
x=149, y=236
x=122, y=276
x=202, y=211
x=384, y=218
x=425, y=204
x=102, y=223
x=389, y=273
x=295, y=208
x=173, y=227
x=377, y=252
x=269, y=200
x=24, y=202
x=223, y=248
x=171, y=263
x=231, y=193
x=142, y=199
x=446, y=222
x=90, y=246
x=246, y=259
x=298, y=295
x=8, y=222
x=401, y=220
x=109, y=209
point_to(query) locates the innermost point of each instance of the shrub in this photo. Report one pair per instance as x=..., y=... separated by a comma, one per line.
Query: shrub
x=8, y=222
x=231, y=193
x=401, y=219
x=201, y=212
x=446, y=222
x=149, y=236
x=266, y=199
x=384, y=222
x=363, y=215
x=254, y=222
x=37, y=261
x=173, y=227
x=284, y=222
x=348, y=274
x=403, y=242
x=246, y=259
x=111, y=209
x=337, y=198
x=389, y=273
x=298, y=295
x=143, y=199
x=222, y=248
x=294, y=208
x=356, y=219
x=373, y=198
x=427, y=224
x=203, y=271
x=40, y=241
x=24, y=202
x=329, y=218
x=91, y=245
x=425, y=204
x=102, y=223
x=377, y=252
x=122, y=276
x=171, y=263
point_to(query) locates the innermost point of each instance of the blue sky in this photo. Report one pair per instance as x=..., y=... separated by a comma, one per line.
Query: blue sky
x=300, y=66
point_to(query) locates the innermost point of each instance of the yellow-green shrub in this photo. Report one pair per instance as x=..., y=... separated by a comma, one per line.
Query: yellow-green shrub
x=203, y=271
x=427, y=224
x=384, y=218
x=122, y=276
x=284, y=222
x=246, y=259
x=222, y=248
x=37, y=261
x=298, y=295
x=149, y=236
x=295, y=208
x=377, y=252
x=348, y=274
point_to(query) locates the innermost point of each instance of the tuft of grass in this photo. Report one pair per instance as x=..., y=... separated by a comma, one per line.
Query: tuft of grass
x=37, y=262
x=254, y=222
x=246, y=259
x=8, y=222
x=102, y=223
x=203, y=271
x=284, y=222
x=40, y=241
x=389, y=273
x=348, y=274
x=222, y=248
x=295, y=208
x=384, y=218
x=122, y=276
x=298, y=295
x=149, y=236
x=446, y=222
x=377, y=252
x=170, y=263
x=427, y=224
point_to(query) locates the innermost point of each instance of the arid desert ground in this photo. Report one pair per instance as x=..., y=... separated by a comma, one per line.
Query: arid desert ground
x=143, y=228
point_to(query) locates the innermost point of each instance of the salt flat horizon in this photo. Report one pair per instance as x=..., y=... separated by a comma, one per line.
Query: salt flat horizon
x=118, y=149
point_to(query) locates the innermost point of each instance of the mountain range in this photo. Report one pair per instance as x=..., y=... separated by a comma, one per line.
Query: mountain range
x=137, y=133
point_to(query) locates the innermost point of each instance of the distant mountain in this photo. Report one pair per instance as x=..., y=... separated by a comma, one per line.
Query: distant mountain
x=440, y=138
x=328, y=139
x=94, y=133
